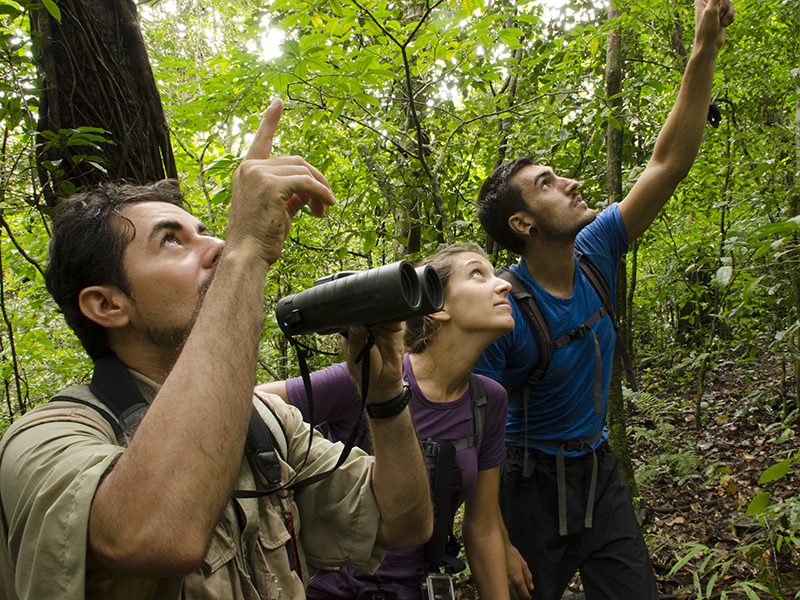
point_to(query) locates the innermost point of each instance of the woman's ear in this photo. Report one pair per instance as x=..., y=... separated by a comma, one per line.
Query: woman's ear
x=106, y=305
x=441, y=316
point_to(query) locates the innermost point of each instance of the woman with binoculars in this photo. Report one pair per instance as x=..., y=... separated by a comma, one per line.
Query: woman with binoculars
x=463, y=442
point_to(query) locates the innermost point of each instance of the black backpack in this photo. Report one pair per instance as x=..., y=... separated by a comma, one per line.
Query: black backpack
x=115, y=387
x=441, y=551
x=541, y=332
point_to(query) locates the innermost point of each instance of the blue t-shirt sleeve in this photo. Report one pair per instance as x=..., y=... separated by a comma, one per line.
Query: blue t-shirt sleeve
x=604, y=242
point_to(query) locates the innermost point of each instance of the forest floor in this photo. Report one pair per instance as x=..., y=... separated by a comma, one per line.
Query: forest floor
x=695, y=488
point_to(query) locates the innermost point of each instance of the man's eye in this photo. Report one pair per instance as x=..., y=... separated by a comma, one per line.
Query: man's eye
x=169, y=240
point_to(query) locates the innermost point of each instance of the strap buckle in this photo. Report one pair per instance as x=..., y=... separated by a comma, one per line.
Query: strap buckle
x=578, y=332
x=430, y=449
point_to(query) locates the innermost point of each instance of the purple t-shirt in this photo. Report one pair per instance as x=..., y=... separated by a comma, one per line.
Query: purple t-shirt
x=336, y=401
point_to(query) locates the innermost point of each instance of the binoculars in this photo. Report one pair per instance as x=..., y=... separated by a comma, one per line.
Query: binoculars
x=387, y=294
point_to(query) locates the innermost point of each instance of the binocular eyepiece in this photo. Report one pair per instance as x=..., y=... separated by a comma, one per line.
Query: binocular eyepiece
x=387, y=294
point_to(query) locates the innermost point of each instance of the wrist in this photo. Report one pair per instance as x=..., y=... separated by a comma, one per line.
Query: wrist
x=391, y=407
x=245, y=255
x=707, y=49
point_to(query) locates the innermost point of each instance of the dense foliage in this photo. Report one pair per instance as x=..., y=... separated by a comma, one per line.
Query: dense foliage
x=406, y=107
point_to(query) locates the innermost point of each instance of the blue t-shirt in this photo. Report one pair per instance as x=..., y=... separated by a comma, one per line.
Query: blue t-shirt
x=338, y=403
x=561, y=406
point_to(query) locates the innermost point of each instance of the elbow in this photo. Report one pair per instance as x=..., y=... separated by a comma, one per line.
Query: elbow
x=413, y=530
x=148, y=552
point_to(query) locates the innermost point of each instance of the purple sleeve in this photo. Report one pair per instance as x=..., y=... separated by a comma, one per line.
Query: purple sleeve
x=336, y=399
x=493, y=450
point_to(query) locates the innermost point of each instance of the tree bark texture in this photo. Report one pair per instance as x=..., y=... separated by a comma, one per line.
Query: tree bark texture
x=95, y=72
x=614, y=137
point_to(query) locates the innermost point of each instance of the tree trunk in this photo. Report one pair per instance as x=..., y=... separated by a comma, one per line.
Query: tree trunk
x=614, y=137
x=94, y=72
x=794, y=209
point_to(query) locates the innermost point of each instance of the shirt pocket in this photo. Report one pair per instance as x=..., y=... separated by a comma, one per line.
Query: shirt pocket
x=220, y=575
x=278, y=561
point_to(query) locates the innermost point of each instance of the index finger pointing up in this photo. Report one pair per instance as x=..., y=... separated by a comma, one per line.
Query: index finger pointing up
x=261, y=147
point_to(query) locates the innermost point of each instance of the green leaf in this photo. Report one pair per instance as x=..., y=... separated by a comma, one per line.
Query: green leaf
x=54, y=11
x=694, y=551
x=470, y=6
x=776, y=471
x=336, y=8
x=758, y=504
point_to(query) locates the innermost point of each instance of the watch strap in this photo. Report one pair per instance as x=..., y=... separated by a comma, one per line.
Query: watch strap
x=390, y=408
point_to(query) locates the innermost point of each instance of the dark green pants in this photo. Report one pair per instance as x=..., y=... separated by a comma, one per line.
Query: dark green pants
x=611, y=555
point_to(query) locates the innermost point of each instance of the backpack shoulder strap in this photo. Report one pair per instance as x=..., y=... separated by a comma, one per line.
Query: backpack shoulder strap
x=116, y=388
x=536, y=322
x=273, y=423
x=477, y=397
x=599, y=284
x=265, y=437
x=95, y=406
x=601, y=287
x=477, y=393
x=119, y=400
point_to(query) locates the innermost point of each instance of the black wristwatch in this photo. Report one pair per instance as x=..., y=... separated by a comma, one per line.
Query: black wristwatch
x=390, y=408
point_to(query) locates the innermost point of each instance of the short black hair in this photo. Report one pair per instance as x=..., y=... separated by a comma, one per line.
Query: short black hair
x=86, y=249
x=498, y=199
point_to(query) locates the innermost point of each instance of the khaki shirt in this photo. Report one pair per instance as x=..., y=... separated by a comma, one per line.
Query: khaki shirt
x=54, y=458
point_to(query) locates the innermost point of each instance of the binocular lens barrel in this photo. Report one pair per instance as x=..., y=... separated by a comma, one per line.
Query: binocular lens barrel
x=386, y=294
x=432, y=292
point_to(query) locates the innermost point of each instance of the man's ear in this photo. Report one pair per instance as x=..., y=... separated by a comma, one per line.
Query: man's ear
x=521, y=223
x=106, y=305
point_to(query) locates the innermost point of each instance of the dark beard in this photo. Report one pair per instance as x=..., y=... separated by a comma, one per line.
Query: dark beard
x=172, y=339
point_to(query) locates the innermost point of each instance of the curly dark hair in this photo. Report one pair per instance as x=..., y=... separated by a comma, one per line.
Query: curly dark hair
x=87, y=245
x=419, y=332
x=498, y=199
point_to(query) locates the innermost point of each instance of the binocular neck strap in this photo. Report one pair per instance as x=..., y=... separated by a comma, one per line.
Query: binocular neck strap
x=364, y=358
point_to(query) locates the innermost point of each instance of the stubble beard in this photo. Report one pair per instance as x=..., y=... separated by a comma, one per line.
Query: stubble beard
x=171, y=340
x=553, y=233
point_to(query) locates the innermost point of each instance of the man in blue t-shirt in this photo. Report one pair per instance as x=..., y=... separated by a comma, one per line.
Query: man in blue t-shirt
x=565, y=504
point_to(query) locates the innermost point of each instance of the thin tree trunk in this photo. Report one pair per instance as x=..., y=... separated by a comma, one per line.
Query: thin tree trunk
x=795, y=209
x=21, y=404
x=614, y=138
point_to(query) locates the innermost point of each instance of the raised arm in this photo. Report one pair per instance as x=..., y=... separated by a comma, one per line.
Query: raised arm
x=151, y=514
x=399, y=479
x=679, y=140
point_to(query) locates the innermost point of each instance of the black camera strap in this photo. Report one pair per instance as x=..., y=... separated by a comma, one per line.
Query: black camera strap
x=364, y=359
x=442, y=549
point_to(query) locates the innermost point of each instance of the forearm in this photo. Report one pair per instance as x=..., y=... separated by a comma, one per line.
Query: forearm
x=680, y=138
x=486, y=556
x=676, y=147
x=400, y=483
x=187, y=452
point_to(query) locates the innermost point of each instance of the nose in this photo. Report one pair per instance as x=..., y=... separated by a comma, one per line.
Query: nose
x=570, y=185
x=212, y=251
x=502, y=286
